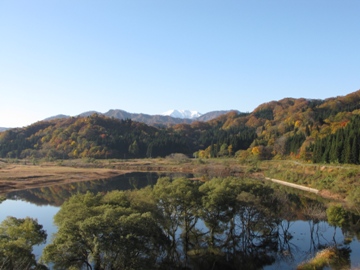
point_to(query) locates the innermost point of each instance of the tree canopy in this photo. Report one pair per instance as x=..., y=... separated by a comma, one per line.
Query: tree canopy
x=17, y=238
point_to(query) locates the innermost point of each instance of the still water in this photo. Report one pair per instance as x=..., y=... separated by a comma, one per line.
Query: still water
x=302, y=237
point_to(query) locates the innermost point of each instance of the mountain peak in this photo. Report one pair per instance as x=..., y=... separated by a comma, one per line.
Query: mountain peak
x=184, y=114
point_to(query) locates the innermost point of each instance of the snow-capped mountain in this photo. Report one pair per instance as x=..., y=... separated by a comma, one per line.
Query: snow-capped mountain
x=184, y=114
x=168, y=118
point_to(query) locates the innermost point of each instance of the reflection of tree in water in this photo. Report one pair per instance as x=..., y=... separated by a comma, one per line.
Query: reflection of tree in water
x=220, y=224
x=284, y=211
x=315, y=214
x=134, y=182
x=56, y=195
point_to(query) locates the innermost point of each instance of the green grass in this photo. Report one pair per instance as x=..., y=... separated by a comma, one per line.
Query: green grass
x=339, y=179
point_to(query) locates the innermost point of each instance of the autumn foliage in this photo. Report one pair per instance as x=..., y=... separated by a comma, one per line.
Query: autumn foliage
x=286, y=128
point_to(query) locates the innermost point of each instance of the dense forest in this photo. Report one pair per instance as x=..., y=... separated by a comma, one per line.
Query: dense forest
x=98, y=136
x=314, y=130
x=343, y=146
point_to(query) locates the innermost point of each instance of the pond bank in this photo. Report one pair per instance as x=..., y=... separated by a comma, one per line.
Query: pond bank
x=24, y=175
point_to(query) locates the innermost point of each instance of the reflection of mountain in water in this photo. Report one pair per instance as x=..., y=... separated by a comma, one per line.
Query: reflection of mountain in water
x=56, y=195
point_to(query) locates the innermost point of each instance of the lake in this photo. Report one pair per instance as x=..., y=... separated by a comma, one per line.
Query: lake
x=293, y=239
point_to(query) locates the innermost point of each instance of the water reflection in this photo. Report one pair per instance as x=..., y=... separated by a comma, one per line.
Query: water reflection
x=21, y=209
x=221, y=224
x=226, y=223
x=57, y=194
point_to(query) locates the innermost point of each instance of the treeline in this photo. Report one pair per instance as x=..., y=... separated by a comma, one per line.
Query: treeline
x=98, y=136
x=343, y=146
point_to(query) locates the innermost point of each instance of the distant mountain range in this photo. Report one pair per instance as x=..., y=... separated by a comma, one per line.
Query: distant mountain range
x=171, y=117
x=3, y=129
x=182, y=114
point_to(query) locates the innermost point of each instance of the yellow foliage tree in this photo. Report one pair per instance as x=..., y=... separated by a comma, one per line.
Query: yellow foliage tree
x=256, y=150
x=298, y=123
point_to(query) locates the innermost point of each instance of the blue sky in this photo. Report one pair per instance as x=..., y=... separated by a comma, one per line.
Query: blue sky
x=68, y=57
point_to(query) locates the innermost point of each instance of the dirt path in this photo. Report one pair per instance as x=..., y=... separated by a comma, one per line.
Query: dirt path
x=312, y=190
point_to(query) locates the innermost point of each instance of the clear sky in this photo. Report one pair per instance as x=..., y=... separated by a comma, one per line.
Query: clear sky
x=149, y=56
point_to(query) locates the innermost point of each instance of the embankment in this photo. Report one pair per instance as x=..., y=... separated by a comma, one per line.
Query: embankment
x=312, y=190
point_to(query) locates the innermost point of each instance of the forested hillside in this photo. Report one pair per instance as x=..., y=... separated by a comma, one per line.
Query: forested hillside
x=291, y=126
x=343, y=146
x=314, y=130
x=98, y=136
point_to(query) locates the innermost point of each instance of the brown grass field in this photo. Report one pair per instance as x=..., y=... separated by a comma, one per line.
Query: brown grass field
x=23, y=174
x=18, y=177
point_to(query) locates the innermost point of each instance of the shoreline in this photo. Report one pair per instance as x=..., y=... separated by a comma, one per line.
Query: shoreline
x=21, y=175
